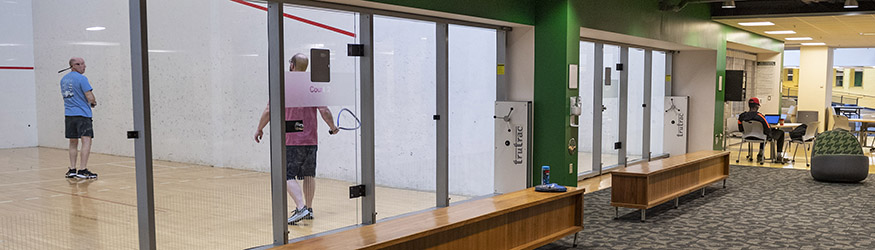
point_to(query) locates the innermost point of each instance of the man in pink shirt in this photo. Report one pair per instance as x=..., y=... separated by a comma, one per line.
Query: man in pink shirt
x=300, y=148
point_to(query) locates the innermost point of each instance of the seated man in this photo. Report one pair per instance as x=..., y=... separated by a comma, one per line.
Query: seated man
x=773, y=134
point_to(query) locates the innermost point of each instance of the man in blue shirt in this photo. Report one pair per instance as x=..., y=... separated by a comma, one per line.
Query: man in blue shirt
x=78, y=101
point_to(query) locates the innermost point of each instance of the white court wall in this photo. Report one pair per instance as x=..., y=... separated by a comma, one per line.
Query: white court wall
x=694, y=75
x=18, y=122
x=208, y=76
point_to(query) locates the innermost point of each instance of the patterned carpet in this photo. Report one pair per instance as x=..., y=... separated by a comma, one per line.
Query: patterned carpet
x=760, y=208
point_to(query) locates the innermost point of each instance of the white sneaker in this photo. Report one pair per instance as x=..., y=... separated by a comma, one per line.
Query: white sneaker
x=298, y=215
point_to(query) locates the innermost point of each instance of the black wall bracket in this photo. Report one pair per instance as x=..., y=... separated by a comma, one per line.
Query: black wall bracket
x=356, y=191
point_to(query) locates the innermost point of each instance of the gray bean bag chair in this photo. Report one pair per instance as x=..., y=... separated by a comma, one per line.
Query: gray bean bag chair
x=838, y=157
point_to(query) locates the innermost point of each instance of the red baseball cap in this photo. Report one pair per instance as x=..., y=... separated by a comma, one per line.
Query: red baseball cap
x=754, y=100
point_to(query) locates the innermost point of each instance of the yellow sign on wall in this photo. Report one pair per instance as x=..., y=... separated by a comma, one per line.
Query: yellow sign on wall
x=500, y=69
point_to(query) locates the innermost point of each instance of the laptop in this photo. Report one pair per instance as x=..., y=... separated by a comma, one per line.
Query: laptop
x=773, y=119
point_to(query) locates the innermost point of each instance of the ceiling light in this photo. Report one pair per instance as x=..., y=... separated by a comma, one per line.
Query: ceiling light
x=756, y=24
x=867, y=34
x=95, y=28
x=813, y=44
x=729, y=4
x=798, y=38
x=851, y=4
x=780, y=32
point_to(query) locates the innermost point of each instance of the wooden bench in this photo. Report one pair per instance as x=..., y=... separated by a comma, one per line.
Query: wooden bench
x=648, y=184
x=520, y=220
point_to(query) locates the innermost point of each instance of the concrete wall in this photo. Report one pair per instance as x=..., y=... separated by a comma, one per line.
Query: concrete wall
x=694, y=76
x=18, y=97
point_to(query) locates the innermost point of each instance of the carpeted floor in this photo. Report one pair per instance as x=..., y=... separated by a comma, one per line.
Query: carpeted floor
x=760, y=208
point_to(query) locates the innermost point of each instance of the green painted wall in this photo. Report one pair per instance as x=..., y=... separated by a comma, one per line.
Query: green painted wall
x=556, y=46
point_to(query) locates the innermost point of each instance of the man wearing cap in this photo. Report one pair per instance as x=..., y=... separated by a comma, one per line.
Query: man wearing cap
x=773, y=133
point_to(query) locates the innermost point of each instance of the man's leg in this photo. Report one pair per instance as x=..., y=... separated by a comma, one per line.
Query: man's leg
x=85, y=152
x=74, y=144
x=294, y=190
x=309, y=190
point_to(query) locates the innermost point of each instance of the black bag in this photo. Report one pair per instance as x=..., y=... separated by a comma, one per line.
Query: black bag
x=798, y=132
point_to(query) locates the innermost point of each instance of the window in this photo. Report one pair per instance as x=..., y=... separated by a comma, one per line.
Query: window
x=858, y=78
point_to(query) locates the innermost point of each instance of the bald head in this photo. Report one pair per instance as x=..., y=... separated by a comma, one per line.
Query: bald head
x=78, y=64
x=299, y=62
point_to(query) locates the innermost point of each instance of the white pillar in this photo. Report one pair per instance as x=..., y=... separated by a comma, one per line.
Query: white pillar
x=815, y=81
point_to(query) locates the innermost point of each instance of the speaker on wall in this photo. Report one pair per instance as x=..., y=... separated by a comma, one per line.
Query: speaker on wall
x=734, y=85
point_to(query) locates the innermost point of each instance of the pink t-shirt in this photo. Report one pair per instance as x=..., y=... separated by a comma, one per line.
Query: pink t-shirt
x=307, y=137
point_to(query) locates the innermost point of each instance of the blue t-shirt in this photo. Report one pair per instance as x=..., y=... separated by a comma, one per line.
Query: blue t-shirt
x=73, y=88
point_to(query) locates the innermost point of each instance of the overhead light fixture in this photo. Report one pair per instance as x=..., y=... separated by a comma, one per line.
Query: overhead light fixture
x=780, y=32
x=798, y=38
x=813, y=44
x=95, y=28
x=729, y=4
x=867, y=34
x=851, y=4
x=756, y=24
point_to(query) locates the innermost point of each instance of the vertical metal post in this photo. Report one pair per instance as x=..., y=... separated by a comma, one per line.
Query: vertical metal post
x=276, y=76
x=648, y=80
x=366, y=36
x=502, y=90
x=668, y=78
x=443, y=122
x=597, y=105
x=624, y=105
x=142, y=123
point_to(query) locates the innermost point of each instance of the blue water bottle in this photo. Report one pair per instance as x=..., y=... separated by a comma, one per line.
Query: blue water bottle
x=545, y=175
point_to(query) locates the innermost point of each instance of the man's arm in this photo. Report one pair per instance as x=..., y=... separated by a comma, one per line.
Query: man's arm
x=328, y=118
x=90, y=97
x=265, y=118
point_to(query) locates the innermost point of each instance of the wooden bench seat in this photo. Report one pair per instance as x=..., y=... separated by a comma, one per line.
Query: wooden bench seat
x=649, y=184
x=520, y=220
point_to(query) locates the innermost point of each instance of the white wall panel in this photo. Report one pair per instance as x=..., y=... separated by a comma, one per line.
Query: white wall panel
x=18, y=122
x=694, y=75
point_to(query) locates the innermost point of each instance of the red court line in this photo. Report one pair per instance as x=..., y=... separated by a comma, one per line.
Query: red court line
x=14, y=67
x=98, y=199
x=296, y=18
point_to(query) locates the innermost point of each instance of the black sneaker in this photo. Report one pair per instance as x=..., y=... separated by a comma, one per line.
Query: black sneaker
x=310, y=215
x=70, y=173
x=85, y=174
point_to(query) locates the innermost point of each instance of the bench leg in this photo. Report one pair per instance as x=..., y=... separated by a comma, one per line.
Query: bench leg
x=642, y=214
x=676, y=200
x=616, y=212
x=703, y=192
x=574, y=243
x=724, y=183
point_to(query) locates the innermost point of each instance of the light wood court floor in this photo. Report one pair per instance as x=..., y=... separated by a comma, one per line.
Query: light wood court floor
x=197, y=207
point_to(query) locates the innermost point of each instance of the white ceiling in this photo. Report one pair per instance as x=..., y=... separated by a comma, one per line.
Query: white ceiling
x=841, y=31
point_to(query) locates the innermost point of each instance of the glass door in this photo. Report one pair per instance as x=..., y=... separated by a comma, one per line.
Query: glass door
x=635, y=111
x=586, y=131
x=610, y=155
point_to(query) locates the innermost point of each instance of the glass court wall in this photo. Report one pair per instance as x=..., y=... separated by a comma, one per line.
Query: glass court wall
x=208, y=74
x=602, y=76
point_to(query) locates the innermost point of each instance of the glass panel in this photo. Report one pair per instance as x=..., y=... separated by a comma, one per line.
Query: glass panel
x=585, y=131
x=337, y=156
x=404, y=103
x=40, y=208
x=657, y=101
x=611, y=101
x=472, y=104
x=635, y=111
x=209, y=93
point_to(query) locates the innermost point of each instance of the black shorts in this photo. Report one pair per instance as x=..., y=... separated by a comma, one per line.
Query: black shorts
x=77, y=127
x=300, y=162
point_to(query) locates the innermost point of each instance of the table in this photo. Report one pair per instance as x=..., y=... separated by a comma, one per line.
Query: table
x=843, y=110
x=863, y=128
x=787, y=125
